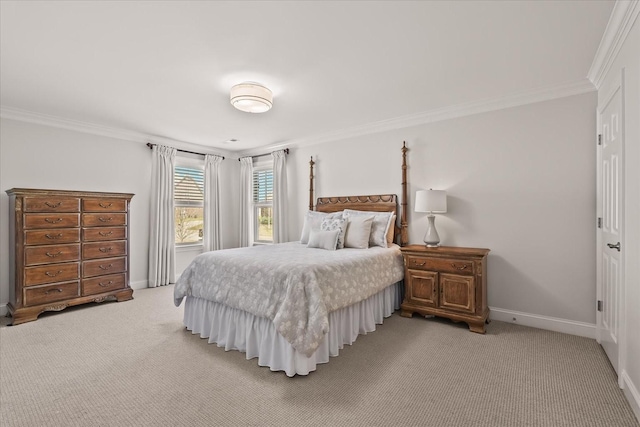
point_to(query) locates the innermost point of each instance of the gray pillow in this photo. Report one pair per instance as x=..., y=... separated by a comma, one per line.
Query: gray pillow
x=313, y=220
x=330, y=224
x=358, y=232
x=323, y=239
x=379, y=228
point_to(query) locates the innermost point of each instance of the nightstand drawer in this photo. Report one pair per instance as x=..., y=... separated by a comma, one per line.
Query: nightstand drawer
x=443, y=265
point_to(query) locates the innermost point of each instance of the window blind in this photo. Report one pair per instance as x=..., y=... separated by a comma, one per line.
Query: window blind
x=262, y=186
x=188, y=186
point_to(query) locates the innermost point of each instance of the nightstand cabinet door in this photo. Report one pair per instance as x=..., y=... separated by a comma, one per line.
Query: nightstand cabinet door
x=457, y=293
x=422, y=288
x=447, y=282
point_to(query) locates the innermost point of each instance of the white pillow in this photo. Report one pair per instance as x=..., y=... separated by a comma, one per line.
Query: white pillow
x=323, y=239
x=313, y=220
x=391, y=231
x=379, y=228
x=330, y=224
x=358, y=232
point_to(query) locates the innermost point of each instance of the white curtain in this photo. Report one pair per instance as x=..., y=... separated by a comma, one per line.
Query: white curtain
x=212, y=238
x=246, y=205
x=279, y=196
x=161, y=231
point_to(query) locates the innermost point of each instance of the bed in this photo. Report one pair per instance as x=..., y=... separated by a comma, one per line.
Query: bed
x=294, y=305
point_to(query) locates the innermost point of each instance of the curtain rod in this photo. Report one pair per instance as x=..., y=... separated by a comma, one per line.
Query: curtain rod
x=286, y=151
x=150, y=145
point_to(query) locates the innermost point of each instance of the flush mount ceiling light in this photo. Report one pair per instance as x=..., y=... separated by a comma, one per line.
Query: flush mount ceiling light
x=251, y=97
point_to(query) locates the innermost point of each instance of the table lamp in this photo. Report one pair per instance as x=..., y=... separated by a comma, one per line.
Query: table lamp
x=431, y=201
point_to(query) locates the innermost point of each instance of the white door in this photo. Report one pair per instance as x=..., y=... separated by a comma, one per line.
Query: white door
x=610, y=210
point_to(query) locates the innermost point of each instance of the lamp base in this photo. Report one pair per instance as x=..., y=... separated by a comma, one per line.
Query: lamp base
x=431, y=238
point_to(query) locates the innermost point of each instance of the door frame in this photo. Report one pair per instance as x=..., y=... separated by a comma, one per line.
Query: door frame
x=618, y=85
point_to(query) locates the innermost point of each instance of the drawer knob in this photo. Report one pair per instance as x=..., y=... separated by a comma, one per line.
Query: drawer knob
x=104, y=219
x=103, y=267
x=420, y=264
x=53, y=221
x=104, y=285
x=464, y=266
x=53, y=205
x=105, y=206
x=105, y=250
x=50, y=274
x=103, y=234
x=57, y=236
x=53, y=290
x=50, y=255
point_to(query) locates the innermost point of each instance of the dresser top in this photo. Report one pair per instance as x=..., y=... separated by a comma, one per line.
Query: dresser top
x=39, y=192
x=446, y=250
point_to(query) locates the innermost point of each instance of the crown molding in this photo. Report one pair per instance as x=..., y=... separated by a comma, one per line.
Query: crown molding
x=622, y=18
x=437, y=115
x=100, y=130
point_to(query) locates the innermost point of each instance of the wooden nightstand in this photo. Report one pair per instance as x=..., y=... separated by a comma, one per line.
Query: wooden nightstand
x=447, y=282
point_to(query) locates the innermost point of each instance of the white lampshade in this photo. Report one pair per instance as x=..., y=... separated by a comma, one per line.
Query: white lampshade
x=251, y=97
x=434, y=201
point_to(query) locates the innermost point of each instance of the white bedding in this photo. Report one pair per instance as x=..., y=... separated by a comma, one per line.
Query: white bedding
x=292, y=286
x=234, y=329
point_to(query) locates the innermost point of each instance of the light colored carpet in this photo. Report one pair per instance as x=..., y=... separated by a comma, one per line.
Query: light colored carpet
x=134, y=364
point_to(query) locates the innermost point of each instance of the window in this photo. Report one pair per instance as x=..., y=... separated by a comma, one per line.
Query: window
x=188, y=189
x=263, y=203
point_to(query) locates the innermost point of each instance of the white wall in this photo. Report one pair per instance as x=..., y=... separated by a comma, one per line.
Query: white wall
x=37, y=156
x=520, y=182
x=628, y=58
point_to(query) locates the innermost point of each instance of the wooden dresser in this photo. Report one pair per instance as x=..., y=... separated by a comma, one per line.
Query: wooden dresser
x=448, y=282
x=69, y=248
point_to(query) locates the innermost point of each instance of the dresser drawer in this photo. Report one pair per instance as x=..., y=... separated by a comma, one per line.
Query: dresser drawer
x=100, y=267
x=62, y=220
x=51, y=254
x=104, y=233
x=104, y=219
x=51, y=273
x=440, y=264
x=50, y=237
x=102, y=284
x=104, y=205
x=51, y=204
x=104, y=249
x=50, y=293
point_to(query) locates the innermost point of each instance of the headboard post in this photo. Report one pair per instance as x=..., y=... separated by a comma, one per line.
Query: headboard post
x=311, y=163
x=404, y=234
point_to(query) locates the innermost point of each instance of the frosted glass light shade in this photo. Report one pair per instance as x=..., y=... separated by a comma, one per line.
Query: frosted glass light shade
x=251, y=97
x=434, y=201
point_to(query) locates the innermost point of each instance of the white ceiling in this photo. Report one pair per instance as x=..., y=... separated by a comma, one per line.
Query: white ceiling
x=164, y=69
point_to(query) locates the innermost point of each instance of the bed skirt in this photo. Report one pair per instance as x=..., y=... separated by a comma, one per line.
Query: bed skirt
x=255, y=336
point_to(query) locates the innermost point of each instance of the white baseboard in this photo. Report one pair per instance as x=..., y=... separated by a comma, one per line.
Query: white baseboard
x=543, y=322
x=631, y=393
x=3, y=310
x=140, y=284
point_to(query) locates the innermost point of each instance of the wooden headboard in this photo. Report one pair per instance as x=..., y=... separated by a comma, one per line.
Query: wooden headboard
x=374, y=203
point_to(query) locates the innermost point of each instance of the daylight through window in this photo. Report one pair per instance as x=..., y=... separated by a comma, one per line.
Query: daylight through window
x=263, y=204
x=188, y=187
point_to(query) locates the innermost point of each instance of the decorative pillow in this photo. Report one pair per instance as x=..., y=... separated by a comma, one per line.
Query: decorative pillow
x=358, y=232
x=312, y=220
x=330, y=224
x=379, y=228
x=323, y=239
x=391, y=231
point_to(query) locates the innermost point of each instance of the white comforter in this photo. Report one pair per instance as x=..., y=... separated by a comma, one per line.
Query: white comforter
x=294, y=286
